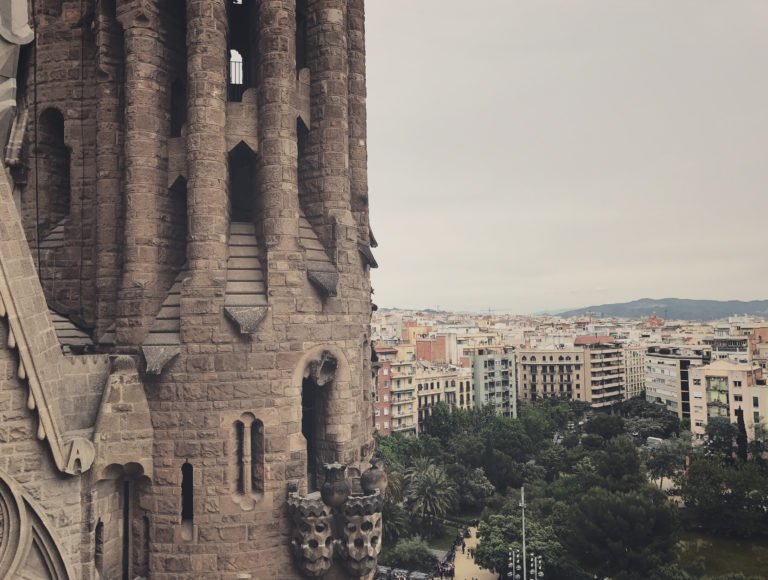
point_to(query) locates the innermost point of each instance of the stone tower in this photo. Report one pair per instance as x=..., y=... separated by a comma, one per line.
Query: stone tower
x=185, y=368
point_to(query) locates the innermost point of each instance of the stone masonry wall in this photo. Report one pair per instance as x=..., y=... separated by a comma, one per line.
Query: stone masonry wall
x=147, y=217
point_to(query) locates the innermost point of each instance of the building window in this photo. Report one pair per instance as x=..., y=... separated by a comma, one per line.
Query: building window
x=755, y=402
x=378, y=426
x=737, y=398
x=386, y=411
x=377, y=412
x=736, y=383
x=386, y=398
x=756, y=417
x=187, y=500
x=386, y=424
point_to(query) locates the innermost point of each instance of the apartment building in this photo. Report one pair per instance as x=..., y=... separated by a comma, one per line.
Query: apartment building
x=434, y=384
x=550, y=373
x=758, y=347
x=403, y=417
x=604, y=369
x=494, y=375
x=381, y=404
x=722, y=387
x=634, y=371
x=667, y=380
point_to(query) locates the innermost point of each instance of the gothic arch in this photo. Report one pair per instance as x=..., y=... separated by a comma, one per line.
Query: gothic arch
x=27, y=542
x=321, y=374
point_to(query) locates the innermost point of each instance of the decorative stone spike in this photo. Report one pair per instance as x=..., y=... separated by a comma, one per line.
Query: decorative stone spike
x=11, y=339
x=31, y=402
x=2, y=307
x=22, y=371
x=40, y=431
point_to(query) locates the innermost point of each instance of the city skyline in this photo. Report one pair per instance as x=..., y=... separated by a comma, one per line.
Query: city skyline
x=547, y=156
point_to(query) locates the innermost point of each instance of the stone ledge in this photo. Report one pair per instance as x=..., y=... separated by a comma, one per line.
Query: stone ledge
x=158, y=356
x=367, y=254
x=247, y=318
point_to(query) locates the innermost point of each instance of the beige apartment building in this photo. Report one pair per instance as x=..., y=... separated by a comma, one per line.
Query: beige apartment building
x=634, y=371
x=667, y=376
x=550, y=373
x=433, y=385
x=604, y=369
x=593, y=371
x=720, y=388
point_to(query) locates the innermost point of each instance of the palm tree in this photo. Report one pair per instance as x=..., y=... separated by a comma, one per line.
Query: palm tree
x=429, y=496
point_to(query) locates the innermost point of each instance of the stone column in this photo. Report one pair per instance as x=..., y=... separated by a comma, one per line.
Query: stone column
x=108, y=175
x=278, y=149
x=328, y=148
x=145, y=167
x=356, y=106
x=207, y=168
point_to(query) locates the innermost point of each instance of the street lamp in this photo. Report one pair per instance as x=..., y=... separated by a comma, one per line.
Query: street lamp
x=514, y=564
x=522, y=506
x=537, y=570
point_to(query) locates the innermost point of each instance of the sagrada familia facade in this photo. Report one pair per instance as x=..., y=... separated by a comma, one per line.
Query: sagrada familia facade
x=185, y=367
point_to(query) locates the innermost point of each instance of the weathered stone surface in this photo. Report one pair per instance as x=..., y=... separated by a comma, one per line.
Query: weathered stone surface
x=177, y=207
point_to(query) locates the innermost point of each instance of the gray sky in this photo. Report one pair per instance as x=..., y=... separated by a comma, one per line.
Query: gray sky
x=536, y=154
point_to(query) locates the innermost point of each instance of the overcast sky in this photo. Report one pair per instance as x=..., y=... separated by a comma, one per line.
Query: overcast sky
x=540, y=154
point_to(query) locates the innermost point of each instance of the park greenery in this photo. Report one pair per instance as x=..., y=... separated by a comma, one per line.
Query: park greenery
x=592, y=487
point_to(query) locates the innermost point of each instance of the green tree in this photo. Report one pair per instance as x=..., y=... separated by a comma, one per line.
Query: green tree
x=473, y=487
x=730, y=500
x=429, y=495
x=669, y=457
x=720, y=438
x=618, y=465
x=623, y=534
x=607, y=426
x=501, y=531
x=410, y=554
x=741, y=435
x=395, y=524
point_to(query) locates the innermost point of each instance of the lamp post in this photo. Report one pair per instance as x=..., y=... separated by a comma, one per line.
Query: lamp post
x=514, y=565
x=537, y=571
x=522, y=506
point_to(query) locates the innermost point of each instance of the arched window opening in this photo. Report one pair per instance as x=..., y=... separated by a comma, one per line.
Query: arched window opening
x=310, y=408
x=242, y=183
x=126, y=530
x=98, y=549
x=257, y=456
x=176, y=227
x=178, y=106
x=241, y=49
x=249, y=457
x=187, y=499
x=239, y=450
x=53, y=162
x=301, y=34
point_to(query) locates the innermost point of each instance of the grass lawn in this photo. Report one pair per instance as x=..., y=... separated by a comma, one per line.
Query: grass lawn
x=725, y=555
x=445, y=540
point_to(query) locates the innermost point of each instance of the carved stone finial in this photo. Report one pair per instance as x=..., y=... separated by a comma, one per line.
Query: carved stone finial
x=335, y=490
x=360, y=542
x=312, y=543
x=374, y=478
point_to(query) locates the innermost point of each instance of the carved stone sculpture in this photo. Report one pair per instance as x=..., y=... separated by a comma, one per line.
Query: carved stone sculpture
x=360, y=541
x=312, y=542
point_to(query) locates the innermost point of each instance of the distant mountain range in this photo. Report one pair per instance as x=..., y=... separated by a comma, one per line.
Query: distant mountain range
x=674, y=309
